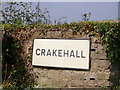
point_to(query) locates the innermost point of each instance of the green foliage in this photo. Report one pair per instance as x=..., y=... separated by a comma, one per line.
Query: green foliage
x=86, y=17
x=14, y=73
x=22, y=13
x=117, y=87
x=109, y=35
x=107, y=32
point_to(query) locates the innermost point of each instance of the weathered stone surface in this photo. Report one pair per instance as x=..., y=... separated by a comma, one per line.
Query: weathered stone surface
x=44, y=83
x=53, y=75
x=67, y=34
x=75, y=83
x=59, y=84
x=57, y=34
x=80, y=76
x=95, y=39
x=101, y=74
x=94, y=45
x=104, y=83
x=99, y=53
x=91, y=83
x=85, y=37
x=35, y=35
x=91, y=76
x=65, y=76
x=95, y=55
x=100, y=65
x=49, y=34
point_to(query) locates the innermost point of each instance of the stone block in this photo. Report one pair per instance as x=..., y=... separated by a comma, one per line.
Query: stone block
x=94, y=45
x=59, y=84
x=91, y=84
x=103, y=75
x=100, y=47
x=100, y=65
x=65, y=75
x=94, y=40
x=44, y=83
x=91, y=76
x=75, y=83
x=68, y=34
x=53, y=75
x=49, y=34
x=40, y=72
x=98, y=55
x=57, y=34
x=78, y=76
x=104, y=83
x=35, y=35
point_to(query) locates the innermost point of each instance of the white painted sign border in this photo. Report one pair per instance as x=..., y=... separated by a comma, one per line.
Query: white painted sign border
x=56, y=61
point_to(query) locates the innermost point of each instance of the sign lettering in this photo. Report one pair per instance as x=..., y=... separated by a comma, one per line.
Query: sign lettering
x=62, y=53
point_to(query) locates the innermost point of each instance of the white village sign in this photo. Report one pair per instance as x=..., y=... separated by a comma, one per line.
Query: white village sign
x=64, y=53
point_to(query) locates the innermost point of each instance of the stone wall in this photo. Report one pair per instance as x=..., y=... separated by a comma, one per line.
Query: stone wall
x=101, y=74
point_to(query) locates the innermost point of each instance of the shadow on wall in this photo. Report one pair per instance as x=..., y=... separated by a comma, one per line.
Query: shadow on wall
x=115, y=68
x=14, y=74
x=115, y=72
x=115, y=75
